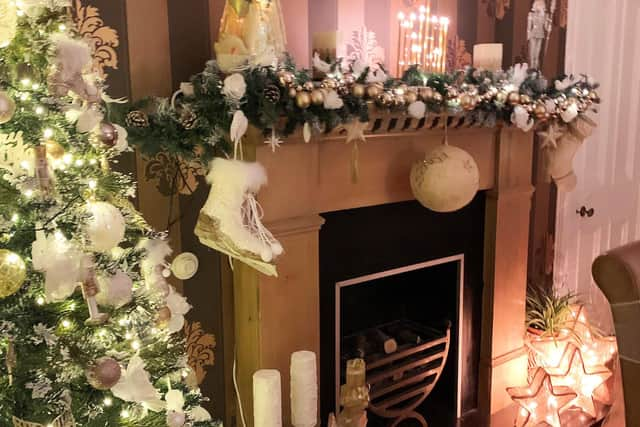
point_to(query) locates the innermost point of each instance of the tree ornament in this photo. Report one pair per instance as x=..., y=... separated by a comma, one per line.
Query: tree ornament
x=303, y=100
x=286, y=78
x=185, y=266
x=230, y=219
x=8, y=22
x=540, y=110
x=188, y=118
x=108, y=134
x=116, y=290
x=105, y=227
x=437, y=97
x=513, y=98
x=452, y=93
x=384, y=99
x=525, y=99
x=292, y=92
x=501, y=97
x=410, y=97
x=317, y=97
x=330, y=83
x=398, y=100
x=540, y=401
x=426, y=93
x=137, y=119
x=308, y=86
x=446, y=180
x=135, y=386
x=176, y=419
x=272, y=94
x=358, y=90
x=163, y=317
x=104, y=373
x=54, y=150
x=467, y=102
x=89, y=291
x=13, y=273
x=7, y=107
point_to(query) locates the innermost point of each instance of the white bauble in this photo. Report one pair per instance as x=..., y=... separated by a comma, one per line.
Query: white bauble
x=446, y=180
x=105, y=227
x=7, y=106
x=116, y=290
x=8, y=22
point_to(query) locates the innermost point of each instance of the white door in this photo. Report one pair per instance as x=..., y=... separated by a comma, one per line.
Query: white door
x=603, y=40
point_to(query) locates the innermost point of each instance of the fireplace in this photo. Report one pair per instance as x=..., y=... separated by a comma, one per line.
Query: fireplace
x=417, y=266
x=310, y=186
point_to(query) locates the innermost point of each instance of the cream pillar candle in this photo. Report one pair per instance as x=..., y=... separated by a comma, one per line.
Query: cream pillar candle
x=267, y=398
x=488, y=56
x=304, y=389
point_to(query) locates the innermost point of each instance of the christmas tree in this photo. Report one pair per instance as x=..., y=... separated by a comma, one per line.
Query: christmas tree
x=90, y=329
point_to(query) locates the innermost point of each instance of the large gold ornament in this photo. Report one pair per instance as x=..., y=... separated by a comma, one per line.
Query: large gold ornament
x=446, y=180
x=13, y=272
x=7, y=107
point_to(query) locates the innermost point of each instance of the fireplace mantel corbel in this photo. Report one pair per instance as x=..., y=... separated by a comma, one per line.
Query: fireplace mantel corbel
x=276, y=316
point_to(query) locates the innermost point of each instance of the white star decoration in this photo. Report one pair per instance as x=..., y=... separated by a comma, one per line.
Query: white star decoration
x=355, y=130
x=551, y=136
x=274, y=141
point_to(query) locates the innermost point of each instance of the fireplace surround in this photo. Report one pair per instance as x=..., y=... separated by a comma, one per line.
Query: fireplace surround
x=275, y=316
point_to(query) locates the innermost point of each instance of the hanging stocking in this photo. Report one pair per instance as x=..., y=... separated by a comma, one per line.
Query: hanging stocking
x=230, y=220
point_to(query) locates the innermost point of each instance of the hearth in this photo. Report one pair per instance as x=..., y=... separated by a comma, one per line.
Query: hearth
x=418, y=274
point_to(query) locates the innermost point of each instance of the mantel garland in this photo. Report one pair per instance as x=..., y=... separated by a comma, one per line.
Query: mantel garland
x=199, y=125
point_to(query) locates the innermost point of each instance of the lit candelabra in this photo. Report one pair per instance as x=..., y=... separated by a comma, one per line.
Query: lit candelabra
x=422, y=39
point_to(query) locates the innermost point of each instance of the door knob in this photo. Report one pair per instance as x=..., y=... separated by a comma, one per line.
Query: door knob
x=583, y=211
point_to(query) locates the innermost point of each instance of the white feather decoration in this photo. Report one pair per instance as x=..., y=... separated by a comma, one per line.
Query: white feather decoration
x=135, y=386
x=570, y=113
x=239, y=126
x=518, y=74
x=178, y=306
x=332, y=101
x=175, y=400
x=122, y=144
x=105, y=227
x=199, y=414
x=153, y=263
x=72, y=56
x=116, y=290
x=417, y=110
x=320, y=65
x=87, y=119
x=520, y=117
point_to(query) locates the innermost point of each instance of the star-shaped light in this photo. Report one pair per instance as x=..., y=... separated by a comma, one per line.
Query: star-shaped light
x=355, y=130
x=540, y=401
x=577, y=377
x=274, y=141
x=551, y=136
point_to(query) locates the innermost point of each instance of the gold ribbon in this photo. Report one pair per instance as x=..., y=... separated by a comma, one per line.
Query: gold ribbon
x=241, y=7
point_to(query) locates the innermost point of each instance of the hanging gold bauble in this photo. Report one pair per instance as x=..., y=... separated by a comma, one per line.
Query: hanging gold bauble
x=501, y=97
x=303, y=100
x=330, y=83
x=292, y=92
x=358, y=90
x=373, y=91
x=317, y=97
x=54, y=150
x=525, y=99
x=540, y=110
x=467, y=102
x=286, y=78
x=514, y=98
x=308, y=86
x=13, y=272
x=426, y=93
x=7, y=107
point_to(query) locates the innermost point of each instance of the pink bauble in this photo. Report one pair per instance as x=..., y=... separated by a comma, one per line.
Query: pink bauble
x=104, y=373
x=176, y=419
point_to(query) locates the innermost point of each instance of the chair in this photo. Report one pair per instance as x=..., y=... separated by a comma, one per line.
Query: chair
x=617, y=273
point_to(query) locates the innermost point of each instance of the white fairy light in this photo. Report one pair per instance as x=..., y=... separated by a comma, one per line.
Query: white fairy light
x=24, y=96
x=66, y=323
x=92, y=161
x=62, y=27
x=93, y=184
x=25, y=82
x=135, y=345
x=35, y=86
x=28, y=194
x=48, y=133
x=40, y=301
x=24, y=165
x=107, y=401
x=67, y=158
x=79, y=162
x=124, y=413
x=40, y=110
x=128, y=335
x=15, y=217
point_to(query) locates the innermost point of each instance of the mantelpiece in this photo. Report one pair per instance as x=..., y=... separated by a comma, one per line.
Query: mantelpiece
x=276, y=316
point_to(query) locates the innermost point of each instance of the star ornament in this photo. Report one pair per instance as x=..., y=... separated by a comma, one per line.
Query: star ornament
x=577, y=377
x=355, y=130
x=274, y=141
x=540, y=401
x=551, y=136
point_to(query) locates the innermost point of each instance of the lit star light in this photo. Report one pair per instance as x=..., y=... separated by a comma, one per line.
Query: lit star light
x=540, y=401
x=577, y=377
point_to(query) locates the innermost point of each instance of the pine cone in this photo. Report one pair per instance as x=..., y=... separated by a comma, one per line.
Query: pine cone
x=272, y=94
x=188, y=119
x=343, y=90
x=137, y=119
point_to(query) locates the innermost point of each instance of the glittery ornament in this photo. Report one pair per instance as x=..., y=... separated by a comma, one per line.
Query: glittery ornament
x=317, y=97
x=104, y=373
x=13, y=272
x=108, y=134
x=303, y=100
x=7, y=107
x=513, y=98
x=373, y=91
x=358, y=90
x=410, y=97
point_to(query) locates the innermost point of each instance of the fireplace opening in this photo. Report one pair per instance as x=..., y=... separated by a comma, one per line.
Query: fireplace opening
x=405, y=323
x=417, y=280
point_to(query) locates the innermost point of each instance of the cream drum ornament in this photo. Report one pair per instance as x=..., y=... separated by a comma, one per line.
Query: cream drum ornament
x=185, y=266
x=446, y=180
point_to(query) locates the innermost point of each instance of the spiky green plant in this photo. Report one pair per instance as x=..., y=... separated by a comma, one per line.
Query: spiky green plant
x=548, y=311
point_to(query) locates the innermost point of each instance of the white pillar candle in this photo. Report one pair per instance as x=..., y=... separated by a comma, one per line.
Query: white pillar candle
x=267, y=398
x=488, y=56
x=304, y=389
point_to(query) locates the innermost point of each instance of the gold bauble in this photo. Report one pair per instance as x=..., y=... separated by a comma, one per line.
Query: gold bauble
x=593, y=96
x=437, y=97
x=7, y=107
x=13, y=272
x=467, y=102
x=330, y=83
x=411, y=97
x=384, y=99
x=358, y=90
x=317, y=97
x=525, y=99
x=540, y=110
x=292, y=92
x=398, y=100
x=164, y=315
x=54, y=150
x=452, y=93
x=349, y=78
x=426, y=93
x=286, y=78
x=501, y=97
x=303, y=100
x=373, y=91
x=308, y=86
x=514, y=98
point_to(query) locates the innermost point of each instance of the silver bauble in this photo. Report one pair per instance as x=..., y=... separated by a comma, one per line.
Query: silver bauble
x=108, y=134
x=446, y=180
x=7, y=107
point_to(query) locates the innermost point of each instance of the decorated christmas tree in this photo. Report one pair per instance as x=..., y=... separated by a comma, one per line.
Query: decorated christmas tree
x=90, y=329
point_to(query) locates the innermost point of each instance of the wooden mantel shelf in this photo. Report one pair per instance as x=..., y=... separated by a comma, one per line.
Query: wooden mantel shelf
x=276, y=316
